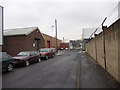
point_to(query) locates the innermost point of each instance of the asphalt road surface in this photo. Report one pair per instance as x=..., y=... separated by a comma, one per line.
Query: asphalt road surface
x=70, y=69
x=58, y=72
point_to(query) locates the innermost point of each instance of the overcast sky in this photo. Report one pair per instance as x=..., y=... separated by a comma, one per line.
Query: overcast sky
x=72, y=15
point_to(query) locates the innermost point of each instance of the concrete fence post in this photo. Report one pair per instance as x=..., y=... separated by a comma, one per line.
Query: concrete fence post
x=96, y=47
x=104, y=28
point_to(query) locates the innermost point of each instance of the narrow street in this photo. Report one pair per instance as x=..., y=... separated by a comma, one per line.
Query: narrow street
x=73, y=69
x=59, y=72
x=59, y=44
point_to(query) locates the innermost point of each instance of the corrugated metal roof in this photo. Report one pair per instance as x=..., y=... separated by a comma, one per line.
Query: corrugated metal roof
x=19, y=31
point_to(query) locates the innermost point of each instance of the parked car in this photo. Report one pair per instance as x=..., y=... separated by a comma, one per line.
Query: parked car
x=53, y=50
x=6, y=62
x=47, y=53
x=26, y=58
x=61, y=48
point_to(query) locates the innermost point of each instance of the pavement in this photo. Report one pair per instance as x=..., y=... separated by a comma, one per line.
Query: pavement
x=70, y=69
x=93, y=75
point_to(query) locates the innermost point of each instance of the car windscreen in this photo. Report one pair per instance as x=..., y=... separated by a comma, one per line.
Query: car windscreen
x=44, y=50
x=24, y=54
x=4, y=56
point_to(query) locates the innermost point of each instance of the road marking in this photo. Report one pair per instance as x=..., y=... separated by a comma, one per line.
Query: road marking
x=78, y=78
x=78, y=75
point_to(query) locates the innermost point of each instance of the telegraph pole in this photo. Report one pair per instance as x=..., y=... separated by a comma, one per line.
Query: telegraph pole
x=54, y=37
x=56, y=33
x=63, y=39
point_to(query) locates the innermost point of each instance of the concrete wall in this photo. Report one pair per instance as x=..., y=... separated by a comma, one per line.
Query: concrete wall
x=100, y=50
x=119, y=51
x=91, y=48
x=104, y=48
x=111, y=48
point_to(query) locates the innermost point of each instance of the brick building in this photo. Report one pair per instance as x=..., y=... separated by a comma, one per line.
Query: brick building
x=22, y=39
x=50, y=42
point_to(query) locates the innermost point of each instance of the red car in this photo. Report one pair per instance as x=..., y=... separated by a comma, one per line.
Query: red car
x=47, y=53
x=26, y=58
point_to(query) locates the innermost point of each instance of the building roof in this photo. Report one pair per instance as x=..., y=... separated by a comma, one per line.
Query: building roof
x=45, y=35
x=19, y=31
x=86, y=33
x=1, y=6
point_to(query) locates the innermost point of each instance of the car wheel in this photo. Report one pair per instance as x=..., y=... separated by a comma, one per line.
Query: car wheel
x=39, y=60
x=46, y=57
x=9, y=67
x=27, y=63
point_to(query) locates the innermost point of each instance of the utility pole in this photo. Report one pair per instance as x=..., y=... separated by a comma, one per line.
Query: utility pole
x=63, y=39
x=54, y=37
x=56, y=33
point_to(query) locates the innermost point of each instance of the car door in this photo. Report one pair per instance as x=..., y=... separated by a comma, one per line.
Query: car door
x=50, y=52
x=6, y=59
x=33, y=57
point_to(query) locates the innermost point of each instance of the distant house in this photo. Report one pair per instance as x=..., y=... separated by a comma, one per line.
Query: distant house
x=22, y=39
x=50, y=42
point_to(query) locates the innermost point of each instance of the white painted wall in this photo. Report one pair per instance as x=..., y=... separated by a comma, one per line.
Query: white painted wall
x=1, y=25
x=1, y=40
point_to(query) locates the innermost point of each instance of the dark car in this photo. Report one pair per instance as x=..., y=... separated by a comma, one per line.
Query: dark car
x=6, y=62
x=47, y=53
x=26, y=58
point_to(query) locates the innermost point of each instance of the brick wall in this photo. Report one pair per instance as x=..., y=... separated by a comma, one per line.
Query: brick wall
x=52, y=41
x=15, y=44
